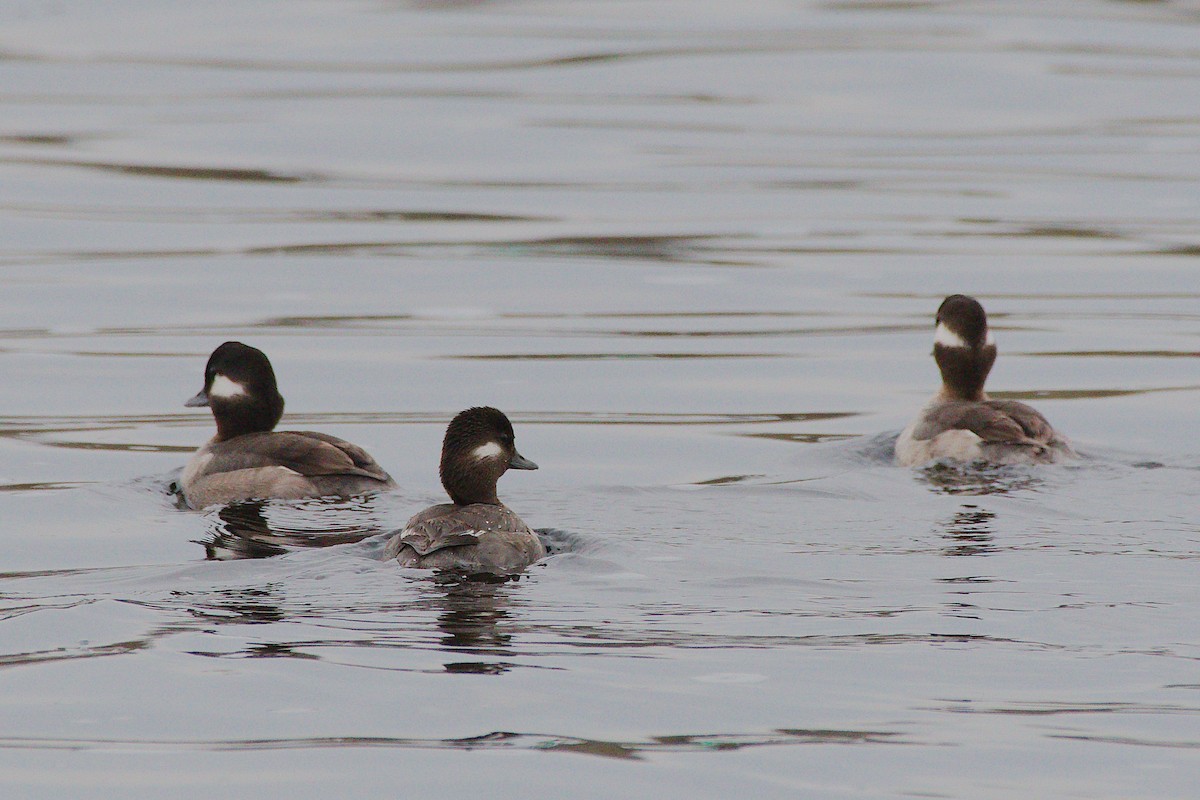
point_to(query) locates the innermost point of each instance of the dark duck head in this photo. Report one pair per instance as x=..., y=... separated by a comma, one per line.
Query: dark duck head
x=963, y=347
x=239, y=387
x=479, y=447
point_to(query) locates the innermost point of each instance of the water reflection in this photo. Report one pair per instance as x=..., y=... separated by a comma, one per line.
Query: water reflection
x=712, y=742
x=255, y=605
x=260, y=529
x=463, y=616
x=979, y=478
x=474, y=610
x=969, y=532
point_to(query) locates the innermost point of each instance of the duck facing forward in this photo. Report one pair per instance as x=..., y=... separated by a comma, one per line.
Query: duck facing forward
x=476, y=532
x=961, y=421
x=248, y=459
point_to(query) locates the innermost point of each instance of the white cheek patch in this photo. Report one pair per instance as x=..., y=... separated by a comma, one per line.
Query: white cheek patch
x=225, y=388
x=948, y=338
x=489, y=450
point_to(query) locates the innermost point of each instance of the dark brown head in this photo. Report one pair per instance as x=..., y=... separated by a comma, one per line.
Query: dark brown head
x=963, y=347
x=239, y=387
x=479, y=447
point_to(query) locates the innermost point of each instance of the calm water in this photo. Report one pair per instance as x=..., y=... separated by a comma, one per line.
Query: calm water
x=694, y=249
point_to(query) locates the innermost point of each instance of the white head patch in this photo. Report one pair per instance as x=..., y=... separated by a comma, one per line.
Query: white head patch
x=225, y=388
x=948, y=338
x=489, y=450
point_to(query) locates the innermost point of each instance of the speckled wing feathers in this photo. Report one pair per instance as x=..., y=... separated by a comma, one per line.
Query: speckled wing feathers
x=448, y=525
x=480, y=537
x=436, y=534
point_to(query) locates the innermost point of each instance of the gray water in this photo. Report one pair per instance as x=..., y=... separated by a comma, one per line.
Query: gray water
x=694, y=249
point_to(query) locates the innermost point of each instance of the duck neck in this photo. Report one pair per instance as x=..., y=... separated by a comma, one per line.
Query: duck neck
x=964, y=370
x=467, y=486
x=247, y=416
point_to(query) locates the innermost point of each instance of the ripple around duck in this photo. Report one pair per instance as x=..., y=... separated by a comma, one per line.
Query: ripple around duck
x=72, y=654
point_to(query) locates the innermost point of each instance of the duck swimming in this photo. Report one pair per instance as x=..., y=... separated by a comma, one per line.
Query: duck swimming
x=248, y=459
x=961, y=421
x=476, y=532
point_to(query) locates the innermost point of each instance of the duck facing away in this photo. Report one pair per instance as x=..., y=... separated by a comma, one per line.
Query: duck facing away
x=248, y=459
x=476, y=532
x=961, y=421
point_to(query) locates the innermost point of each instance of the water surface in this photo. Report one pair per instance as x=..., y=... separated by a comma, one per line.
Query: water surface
x=694, y=250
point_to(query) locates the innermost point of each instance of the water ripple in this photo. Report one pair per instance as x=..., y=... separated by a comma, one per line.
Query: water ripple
x=499, y=740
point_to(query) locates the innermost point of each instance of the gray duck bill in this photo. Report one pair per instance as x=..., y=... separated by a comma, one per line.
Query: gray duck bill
x=199, y=401
x=519, y=461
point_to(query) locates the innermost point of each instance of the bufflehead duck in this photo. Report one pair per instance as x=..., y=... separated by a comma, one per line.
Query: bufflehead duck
x=475, y=533
x=961, y=422
x=247, y=459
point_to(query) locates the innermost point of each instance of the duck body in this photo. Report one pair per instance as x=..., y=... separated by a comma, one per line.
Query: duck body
x=285, y=465
x=961, y=422
x=475, y=533
x=249, y=460
x=996, y=431
x=479, y=537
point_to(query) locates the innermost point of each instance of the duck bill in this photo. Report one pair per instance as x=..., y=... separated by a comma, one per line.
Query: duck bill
x=519, y=461
x=199, y=401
